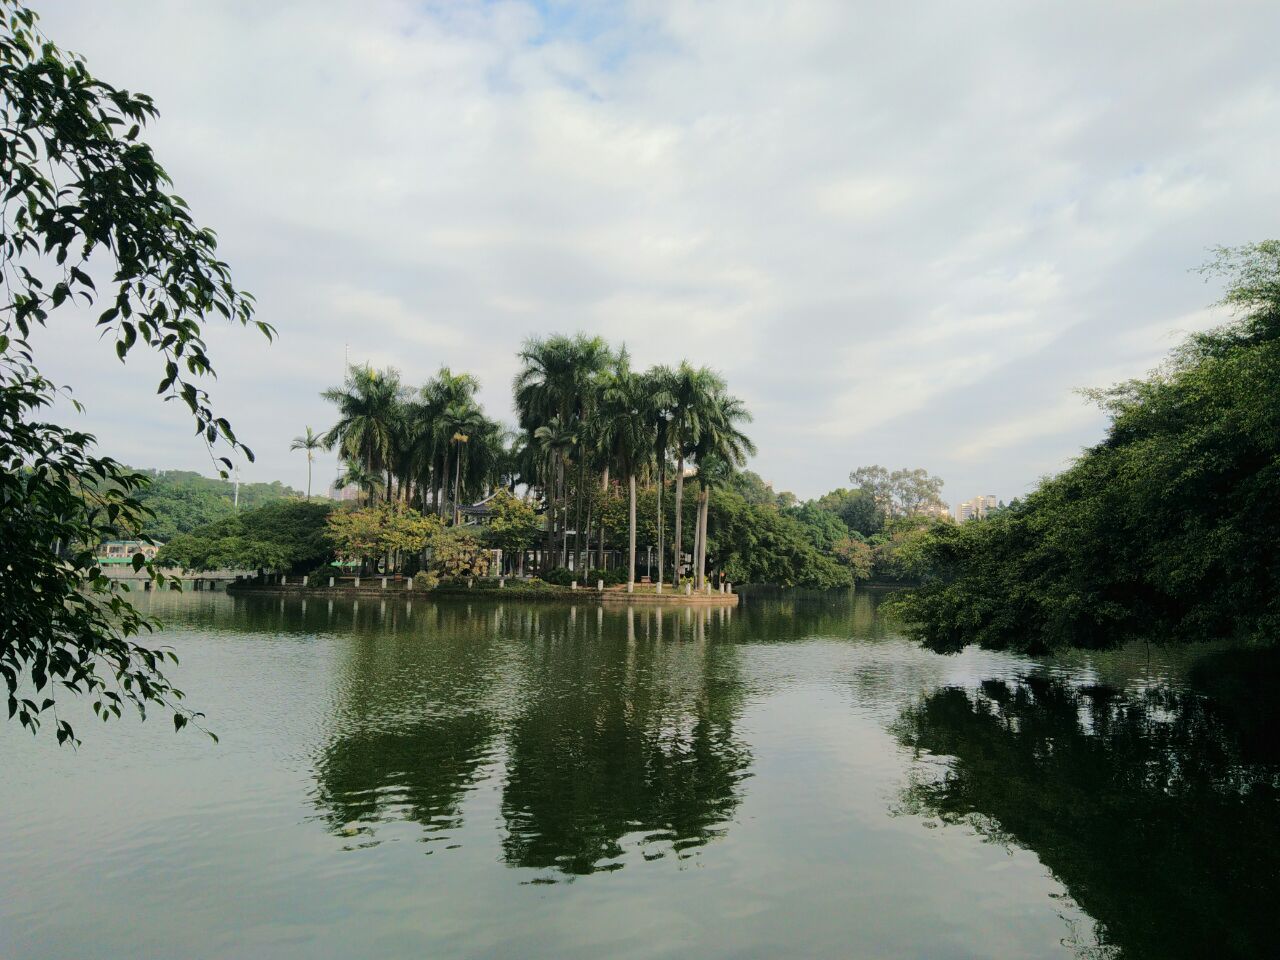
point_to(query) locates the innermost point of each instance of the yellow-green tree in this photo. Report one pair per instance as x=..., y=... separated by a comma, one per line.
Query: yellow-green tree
x=389, y=530
x=514, y=526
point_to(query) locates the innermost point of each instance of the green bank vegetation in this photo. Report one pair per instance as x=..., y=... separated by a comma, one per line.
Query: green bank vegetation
x=88, y=219
x=1167, y=530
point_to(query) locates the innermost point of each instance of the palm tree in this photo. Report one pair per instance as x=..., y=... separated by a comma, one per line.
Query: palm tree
x=310, y=442
x=693, y=392
x=459, y=422
x=557, y=440
x=626, y=426
x=659, y=385
x=370, y=415
x=355, y=475
x=557, y=382
x=721, y=448
x=432, y=439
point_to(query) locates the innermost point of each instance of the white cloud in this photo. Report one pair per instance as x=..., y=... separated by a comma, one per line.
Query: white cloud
x=882, y=224
x=980, y=440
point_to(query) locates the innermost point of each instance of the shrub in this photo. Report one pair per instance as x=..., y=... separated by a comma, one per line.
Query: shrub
x=426, y=580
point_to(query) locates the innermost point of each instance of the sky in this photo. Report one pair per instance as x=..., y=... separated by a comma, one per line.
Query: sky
x=905, y=234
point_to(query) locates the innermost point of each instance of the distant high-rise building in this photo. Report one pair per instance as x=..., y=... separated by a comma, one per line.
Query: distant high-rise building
x=937, y=509
x=343, y=493
x=977, y=507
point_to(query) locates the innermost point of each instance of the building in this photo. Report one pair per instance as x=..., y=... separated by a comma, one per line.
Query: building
x=121, y=552
x=978, y=507
x=344, y=494
x=938, y=510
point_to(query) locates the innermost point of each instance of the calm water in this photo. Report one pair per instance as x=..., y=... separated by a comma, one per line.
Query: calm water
x=788, y=779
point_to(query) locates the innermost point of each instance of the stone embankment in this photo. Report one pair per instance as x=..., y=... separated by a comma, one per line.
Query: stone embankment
x=505, y=588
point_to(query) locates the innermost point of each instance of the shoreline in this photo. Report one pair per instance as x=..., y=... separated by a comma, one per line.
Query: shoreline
x=515, y=593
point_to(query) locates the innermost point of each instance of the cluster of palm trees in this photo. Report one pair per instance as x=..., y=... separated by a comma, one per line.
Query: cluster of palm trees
x=587, y=422
x=588, y=419
x=431, y=447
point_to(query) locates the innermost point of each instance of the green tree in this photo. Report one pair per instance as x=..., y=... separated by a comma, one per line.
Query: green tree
x=558, y=383
x=370, y=420
x=856, y=508
x=694, y=393
x=355, y=475
x=513, y=526
x=310, y=442
x=456, y=553
x=721, y=448
x=855, y=553
x=1167, y=530
x=390, y=530
x=625, y=438
x=85, y=197
x=286, y=535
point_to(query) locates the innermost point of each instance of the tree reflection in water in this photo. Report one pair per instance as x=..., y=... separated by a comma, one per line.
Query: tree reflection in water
x=625, y=738
x=1158, y=818
x=608, y=731
x=414, y=725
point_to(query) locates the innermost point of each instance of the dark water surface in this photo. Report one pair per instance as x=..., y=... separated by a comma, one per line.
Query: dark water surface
x=788, y=779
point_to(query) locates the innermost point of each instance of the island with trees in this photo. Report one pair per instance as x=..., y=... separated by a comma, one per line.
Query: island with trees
x=623, y=482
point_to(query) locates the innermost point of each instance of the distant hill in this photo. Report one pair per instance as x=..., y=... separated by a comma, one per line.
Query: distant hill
x=183, y=500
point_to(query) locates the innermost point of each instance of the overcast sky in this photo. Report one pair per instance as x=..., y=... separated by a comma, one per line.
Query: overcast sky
x=904, y=233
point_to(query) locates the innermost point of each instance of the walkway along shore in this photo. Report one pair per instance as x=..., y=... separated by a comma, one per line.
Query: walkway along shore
x=500, y=589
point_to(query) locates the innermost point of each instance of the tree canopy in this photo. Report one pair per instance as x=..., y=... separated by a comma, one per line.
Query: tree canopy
x=283, y=535
x=86, y=203
x=1167, y=530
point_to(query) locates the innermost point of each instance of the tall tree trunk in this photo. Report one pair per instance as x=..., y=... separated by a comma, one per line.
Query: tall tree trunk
x=308, y=474
x=604, y=493
x=457, y=479
x=697, y=538
x=549, y=511
x=564, y=526
x=444, y=484
x=586, y=535
x=676, y=533
x=631, y=524
x=577, y=516
x=700, y=551
x=662, y=494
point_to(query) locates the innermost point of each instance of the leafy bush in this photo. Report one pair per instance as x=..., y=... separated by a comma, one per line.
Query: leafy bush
x=457, y=554
x=426, y=580
x=319, y=577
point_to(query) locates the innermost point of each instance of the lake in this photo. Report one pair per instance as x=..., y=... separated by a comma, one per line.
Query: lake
x=790, y=778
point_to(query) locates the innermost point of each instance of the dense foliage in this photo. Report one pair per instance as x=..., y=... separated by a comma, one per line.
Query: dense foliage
x=84, y=198
x=389, y=530
x=1167, y=530
x=179, y=501
x=289, y=535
